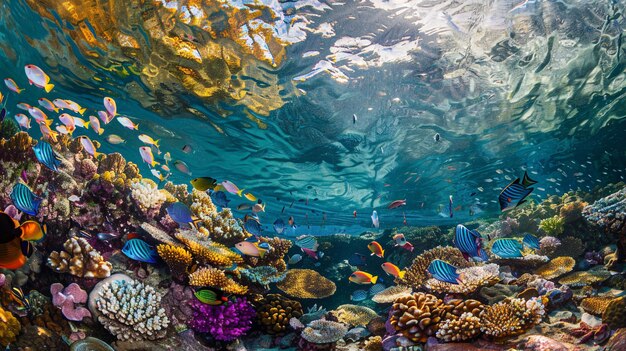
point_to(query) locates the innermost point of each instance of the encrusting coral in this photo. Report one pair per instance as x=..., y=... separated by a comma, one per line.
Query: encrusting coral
x=614, y=314
x=274, y=312
x=557, y=267
x=306, y=284
x=131, y=310
x=354, y=315
x=176, y=258
x=79, y=259
x=596, y=304
x=472, y=279
x=417, y=274
x=510, y=317
x=216, y=278
x=9, y=327
x=585, y=278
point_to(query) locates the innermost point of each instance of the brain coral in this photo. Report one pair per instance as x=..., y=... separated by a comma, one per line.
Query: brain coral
x=416, y=273
x=557, y=267
x=306, y=284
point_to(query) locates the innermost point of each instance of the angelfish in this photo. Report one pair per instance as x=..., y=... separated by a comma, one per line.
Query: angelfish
x=37, y=77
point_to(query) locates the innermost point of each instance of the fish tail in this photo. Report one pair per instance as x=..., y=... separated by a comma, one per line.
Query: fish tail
x=156, y=143
x=262, y=253
x=136, y=126
x=48, y=122
x=96, y=154
x=82, y=110
x=382, y=253
x=240, y=191
x=55, y=109
x=101, y=131
x=154, y=163
x=401, y=274
x=374, y=279
x=19, y=90
x=49, y=87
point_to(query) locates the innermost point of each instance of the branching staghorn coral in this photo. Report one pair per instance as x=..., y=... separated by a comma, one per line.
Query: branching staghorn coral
x=472, y=279
x=79, y=259
x=177, y=258
x=131, y=311
x=511, y=317
x=210, y=252
x=417, y=274
x=216, y=278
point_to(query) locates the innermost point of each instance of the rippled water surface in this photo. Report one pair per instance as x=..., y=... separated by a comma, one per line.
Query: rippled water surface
x=265, y=94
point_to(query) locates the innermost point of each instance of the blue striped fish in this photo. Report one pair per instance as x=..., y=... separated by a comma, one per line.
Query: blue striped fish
x=307, y=242
x=376, y=288
x=47, y=156
x=139, y=250
x=469, y=242
x=443, y=271
x=507, y=248
x=513, y=195
x=358, y=295
x=25, y=200
x=526, y=181
x=531, y=241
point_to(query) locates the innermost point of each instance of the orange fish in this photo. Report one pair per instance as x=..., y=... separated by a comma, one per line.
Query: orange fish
x=360, y=277
x=376, y=249
x=15, y=246
x=393, y=270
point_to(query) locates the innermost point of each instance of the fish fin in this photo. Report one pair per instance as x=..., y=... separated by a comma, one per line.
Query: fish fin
x=56, y=110
x=82, y=110
x=382, y=254
x=527, y=181
x=97, y=154
x=262, y=252
x=48, y=87
x=136, y=126
x=240, y=192
x=401, y=274
x=20, y=90
x=374, y=279
x=31, y=230
x=101, y=131
x=156, y=143
x=519, y=203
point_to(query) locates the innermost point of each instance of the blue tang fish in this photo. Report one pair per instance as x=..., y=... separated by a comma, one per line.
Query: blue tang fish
x=179, y=212
x=507, y=248
x=219, y=198
x=443, y=271
x=47, y=156
x=358, y=295
x=139, y=250
x=469, y=242
x=25, y=200
x=531, y=241
x=279, y=226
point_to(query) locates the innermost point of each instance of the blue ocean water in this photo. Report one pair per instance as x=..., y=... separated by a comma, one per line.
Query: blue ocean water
x=508, y=86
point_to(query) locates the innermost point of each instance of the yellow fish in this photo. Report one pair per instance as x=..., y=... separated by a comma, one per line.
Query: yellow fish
x=148, y=140
x=250, y=197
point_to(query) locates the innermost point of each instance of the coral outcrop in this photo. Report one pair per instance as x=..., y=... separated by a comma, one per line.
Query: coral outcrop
x=79, y=259
x=274, y=312
x=510, y=317
x=614, y=314
x=216, y=278
x=472, y=279
x=391, y=294
x=556, y=267
x=322, y=332
x=148, y=197
x=609, y=213
x=131, y=310
x=177, y=259
x=417, y=274
x=354, y=315
x=417, y=316
x=306, y=284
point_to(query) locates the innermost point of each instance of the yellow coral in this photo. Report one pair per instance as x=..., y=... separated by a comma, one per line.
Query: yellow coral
x=177, y=258
x=596, y=304
x=213, y=277
x=584, y=278
x=79, y=259
x=614, y=314
x=374, y=343
x=465, y=327
x=306, y=284
x=354, y=315
x=210, y=252
x=9, y=327
x=556, y=267
x=510, y=317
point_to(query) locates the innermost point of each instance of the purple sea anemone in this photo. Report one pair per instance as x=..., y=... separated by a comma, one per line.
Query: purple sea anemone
x=225, y=322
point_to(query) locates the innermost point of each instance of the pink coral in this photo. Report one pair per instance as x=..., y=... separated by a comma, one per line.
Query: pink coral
x=13, y=212
x=67, y=298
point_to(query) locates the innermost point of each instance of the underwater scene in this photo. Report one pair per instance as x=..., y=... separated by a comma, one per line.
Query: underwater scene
x=406, y=175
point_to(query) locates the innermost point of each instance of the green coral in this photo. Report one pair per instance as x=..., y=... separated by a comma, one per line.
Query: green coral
x=553, y=226
x=8, y=128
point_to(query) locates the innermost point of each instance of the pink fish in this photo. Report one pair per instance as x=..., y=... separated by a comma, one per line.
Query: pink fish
x=310, y=253
x=10, y=83
x=250, y=249
x=396, y=204
x=232, y=188
x=110, y=106
x=105, y=117
x=408, y=246
x=37, y=77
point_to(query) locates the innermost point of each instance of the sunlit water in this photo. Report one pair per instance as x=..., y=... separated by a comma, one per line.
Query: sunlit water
x=510, y=86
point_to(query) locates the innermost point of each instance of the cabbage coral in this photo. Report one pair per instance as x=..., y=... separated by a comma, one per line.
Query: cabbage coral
x=306, y=284
x=274, y=312
x=553, y=226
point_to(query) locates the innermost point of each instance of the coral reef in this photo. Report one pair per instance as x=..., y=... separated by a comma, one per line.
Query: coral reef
x=274, y=312
x=547, y=246
x=472, y=279
x=221, y=227
x=177, y=259
x=79, y=259
x=609, y=213
x=373, y=343
x=9, y=328
x=263, y=275
x=510, y=317
x=209, y=252
x=225, y=322
x=596, y=304
x=553, y=226
x=148, y=197
x=213, y=277
x=323, y=332
x=354, y=315
x=570, y=246
x=585, y=278
x=556, y=267
x=177, y=304
x=67, y=300
x=417, y=274
x=417, y=316
x=391, y=294
x=614, y=314
x=306, y=284
x=131, y=310
x=466, y=327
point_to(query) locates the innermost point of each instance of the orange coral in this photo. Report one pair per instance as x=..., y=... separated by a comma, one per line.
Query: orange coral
x=213, y=277
x=556, y=267
x=210, y=252
x=306, y=284
x=177, y=258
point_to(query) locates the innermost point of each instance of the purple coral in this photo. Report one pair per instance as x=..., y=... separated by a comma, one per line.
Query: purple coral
x=67, y=298
x=225, y=322
x=594, y=258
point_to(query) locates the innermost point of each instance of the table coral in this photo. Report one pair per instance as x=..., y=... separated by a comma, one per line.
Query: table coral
x=79, y=259
x=67, y=300
x=306, y=284
x=148, y=198
x=216, y=278
x=417, y=274
x=177, y=259
x=131, y=310
x=391, y=294
x=417, y=316
x=274, y=312
x=510, y=317
x=354, y=315
x=209, y=252
x=225, y=322
x=556, y=267
x=584, y=278
x=9, y=327
x=472, y=279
